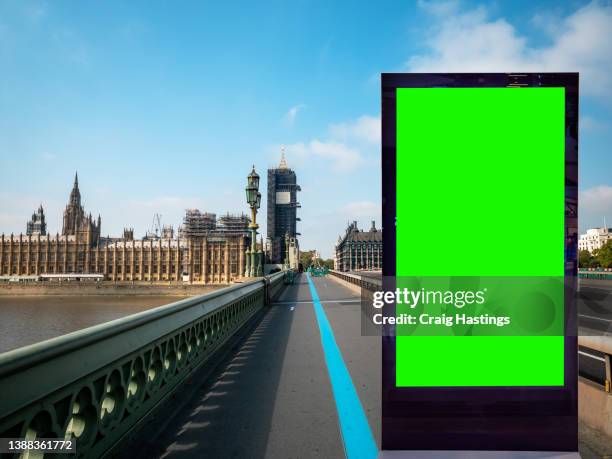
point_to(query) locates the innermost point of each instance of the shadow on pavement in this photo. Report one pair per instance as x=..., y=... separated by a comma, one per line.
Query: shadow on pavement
x=225, y=412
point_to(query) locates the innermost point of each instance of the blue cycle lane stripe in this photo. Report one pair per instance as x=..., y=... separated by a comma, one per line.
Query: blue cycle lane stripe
x=356, y=434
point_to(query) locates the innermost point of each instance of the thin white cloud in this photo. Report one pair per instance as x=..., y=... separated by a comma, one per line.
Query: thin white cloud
x=161, y=202
x=361, y=209
x=439, y=8
x=365, y=128
x=595, y=207
x=588, y=123
x=342, y=157
x=292, y=113
x=48, y=156
x=139, y=213
x=344, y=148
x=550, y=23
x=71, y=47
x=471, y=41
x=596, y=201
x=36, y=12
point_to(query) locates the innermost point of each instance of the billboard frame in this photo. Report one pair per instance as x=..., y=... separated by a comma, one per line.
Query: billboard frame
x=481, y=418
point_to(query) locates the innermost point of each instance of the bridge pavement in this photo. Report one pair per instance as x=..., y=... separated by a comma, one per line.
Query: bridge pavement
x=269, y=394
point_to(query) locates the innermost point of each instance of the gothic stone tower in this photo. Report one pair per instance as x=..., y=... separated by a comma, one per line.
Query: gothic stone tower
x=76, y=223
x=37, y=225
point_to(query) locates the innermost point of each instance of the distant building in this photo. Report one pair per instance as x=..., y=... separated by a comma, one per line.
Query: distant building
x=207, y=251
x=37, y=224
x=594, y=239
x=282, y=210
x=359, y=250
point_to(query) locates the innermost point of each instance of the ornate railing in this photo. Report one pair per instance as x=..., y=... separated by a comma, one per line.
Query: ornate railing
x=594, y=274
x=97, y=384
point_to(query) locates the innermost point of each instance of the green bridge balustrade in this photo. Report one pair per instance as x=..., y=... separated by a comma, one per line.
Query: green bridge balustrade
x=290, y=275
x=98, y=384
x=595, y=274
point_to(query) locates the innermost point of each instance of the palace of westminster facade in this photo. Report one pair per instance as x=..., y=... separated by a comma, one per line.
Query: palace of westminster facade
x=205, y=250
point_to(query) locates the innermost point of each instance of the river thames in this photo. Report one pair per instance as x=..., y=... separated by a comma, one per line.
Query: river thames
x=29, y=319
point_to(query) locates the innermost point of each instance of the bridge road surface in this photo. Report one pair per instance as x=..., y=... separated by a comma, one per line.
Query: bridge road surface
x=594, y=304
x=270, y=393
x=595, y=307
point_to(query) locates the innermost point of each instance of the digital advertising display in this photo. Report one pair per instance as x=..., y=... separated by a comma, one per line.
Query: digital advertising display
x=475, y=333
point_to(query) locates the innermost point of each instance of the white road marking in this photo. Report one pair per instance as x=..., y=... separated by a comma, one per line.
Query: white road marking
x=594, y=318
x=596, y=357
x=310, y=302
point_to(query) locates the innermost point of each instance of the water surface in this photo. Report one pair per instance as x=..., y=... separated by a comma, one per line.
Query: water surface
x=29, y=319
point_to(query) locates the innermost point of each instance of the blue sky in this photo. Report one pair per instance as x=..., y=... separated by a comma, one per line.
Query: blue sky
x=163, y=107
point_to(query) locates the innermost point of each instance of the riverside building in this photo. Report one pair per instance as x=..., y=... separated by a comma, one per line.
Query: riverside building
x=359, y=250
x=594, y=239
x=204, y=254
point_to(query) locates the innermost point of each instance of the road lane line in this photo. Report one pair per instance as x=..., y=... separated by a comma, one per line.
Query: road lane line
x=596, y=357
x=352, y=301
x=356, y=434
x=594, y=318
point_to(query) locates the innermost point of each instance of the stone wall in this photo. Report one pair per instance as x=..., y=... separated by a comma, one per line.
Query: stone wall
x=106, y=288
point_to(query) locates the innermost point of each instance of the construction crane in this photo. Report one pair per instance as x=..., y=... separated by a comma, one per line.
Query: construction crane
x=156, y=228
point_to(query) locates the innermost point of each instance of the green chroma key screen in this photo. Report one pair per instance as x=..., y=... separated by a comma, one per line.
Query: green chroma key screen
x=480, y=192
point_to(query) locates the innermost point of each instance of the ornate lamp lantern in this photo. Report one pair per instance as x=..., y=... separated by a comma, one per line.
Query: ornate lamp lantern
x=253, y=197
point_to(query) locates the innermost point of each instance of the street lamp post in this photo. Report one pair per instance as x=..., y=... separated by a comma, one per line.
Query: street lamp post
x=287, y=262
x=254, y=200
x=247, y=262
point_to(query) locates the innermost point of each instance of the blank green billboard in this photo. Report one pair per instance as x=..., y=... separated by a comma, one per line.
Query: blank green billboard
x=480, y=194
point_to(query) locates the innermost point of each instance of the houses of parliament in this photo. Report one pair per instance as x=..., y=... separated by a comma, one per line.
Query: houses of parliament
x=205, y=250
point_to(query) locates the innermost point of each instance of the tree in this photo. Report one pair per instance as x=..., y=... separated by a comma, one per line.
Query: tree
x=585, y=259
x=604, y=255
x=306, y=258
x=329, y=263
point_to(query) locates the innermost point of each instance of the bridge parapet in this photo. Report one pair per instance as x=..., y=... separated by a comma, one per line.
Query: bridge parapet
x=368, y=283
x=99, y=383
